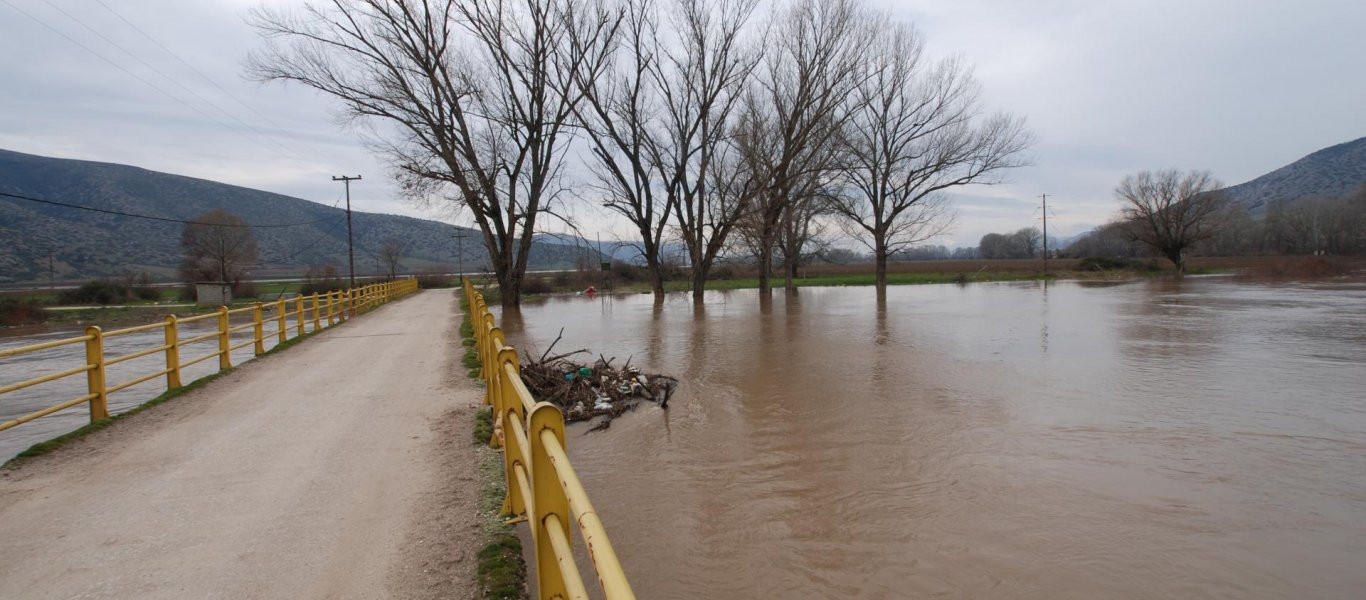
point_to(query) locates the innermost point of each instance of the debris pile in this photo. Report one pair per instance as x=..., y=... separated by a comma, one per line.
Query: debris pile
x=600, y=392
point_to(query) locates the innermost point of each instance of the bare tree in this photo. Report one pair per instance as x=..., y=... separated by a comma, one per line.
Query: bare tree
x=390, y=255
x=700, y=85
x=1170, y=211
x=914, y=134
x=657, y=114
x=1030, y=240
x=218, y=246
x=795, y=113
x=475, y=98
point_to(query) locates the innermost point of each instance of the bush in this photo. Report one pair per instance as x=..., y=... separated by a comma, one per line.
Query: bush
x=536, y=285
x=21, y=311
x=432, y=280
x=1108, y=263
x=99, y=291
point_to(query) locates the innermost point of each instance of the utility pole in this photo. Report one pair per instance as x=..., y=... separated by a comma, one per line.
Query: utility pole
x=460, y=249
x=1045, y=233
x=350, y=241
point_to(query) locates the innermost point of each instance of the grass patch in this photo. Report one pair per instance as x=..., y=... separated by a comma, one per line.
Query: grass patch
x=501, y=572
x=42, y=448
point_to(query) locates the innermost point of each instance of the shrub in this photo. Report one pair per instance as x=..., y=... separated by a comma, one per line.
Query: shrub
x=21, y=311
x=1108, y=263
x=99, y=291
x=536, y=285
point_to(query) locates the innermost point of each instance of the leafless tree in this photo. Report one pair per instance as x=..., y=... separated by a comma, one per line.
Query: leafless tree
x=700, y=84
x=1031, y=239
x=915, y=133
x=656, y=114
x=1170, y=211
x=470, y=100
x=390, y=255
x=795, y=113
x=218, y=246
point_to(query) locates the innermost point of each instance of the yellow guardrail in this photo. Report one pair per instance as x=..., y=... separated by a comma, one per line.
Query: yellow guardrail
x=541, y=483
x=326, y=310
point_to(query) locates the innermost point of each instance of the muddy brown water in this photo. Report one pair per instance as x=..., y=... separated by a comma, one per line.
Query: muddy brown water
x=1150, y=439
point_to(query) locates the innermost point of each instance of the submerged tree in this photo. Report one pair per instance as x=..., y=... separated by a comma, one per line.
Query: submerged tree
x=1170, y=211
x=473, y=100
x=218, y=246
x=656, y=115
x=915, y=132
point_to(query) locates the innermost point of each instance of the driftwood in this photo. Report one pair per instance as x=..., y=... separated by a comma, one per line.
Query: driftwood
x=600, y=392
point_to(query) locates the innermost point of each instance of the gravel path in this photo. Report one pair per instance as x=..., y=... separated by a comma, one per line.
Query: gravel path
x=341, y=468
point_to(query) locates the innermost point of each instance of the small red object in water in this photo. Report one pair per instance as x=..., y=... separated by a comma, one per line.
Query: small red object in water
x=591, y=291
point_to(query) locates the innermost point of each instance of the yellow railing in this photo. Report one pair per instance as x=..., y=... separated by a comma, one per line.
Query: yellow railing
x=541, y=483
x=322, y=310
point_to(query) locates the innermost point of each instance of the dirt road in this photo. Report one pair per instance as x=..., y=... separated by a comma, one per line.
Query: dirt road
x=341, y=468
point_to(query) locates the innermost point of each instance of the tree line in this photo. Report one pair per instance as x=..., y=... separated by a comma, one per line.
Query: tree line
x=1306, y=226
x=709, y=123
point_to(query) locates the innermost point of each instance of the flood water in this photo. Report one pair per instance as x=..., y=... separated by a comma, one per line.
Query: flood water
x=15, y=369
x=1150, y=439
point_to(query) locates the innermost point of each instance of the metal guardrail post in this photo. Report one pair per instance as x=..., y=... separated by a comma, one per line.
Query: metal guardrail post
x=224, y=340
x=509, y=408
x=282, y=329
x=299, y=313
x=173, y=352
x=549, y=501
x=94, y=356
x=259, y=329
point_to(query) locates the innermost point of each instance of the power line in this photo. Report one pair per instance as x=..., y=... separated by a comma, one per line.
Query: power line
x=188, y=65
x=249, y=129
x=150, y=217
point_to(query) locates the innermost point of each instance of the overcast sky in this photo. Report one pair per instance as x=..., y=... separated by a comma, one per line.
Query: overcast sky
x=1238, y=87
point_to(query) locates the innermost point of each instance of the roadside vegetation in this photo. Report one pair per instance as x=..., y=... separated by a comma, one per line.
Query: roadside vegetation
x=501, y=571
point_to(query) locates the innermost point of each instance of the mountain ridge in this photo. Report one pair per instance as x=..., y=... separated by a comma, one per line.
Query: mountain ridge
x=83, y=244
x=1330, y=172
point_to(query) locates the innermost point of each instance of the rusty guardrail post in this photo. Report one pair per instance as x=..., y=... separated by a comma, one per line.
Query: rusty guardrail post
x=172, y=353
x=94, y=356
x=224, y=340
x=259, y=329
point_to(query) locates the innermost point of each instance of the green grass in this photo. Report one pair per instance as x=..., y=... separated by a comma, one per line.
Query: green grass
x=501, y=572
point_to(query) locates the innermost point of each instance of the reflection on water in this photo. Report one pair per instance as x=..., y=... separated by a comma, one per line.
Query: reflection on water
x=1161, y=439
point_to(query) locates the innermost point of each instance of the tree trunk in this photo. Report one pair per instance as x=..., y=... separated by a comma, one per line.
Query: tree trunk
x=509, y=289
x=765, y=268
x=699, y=282
x=656, y=273
x=880, y=278
x=789, y=270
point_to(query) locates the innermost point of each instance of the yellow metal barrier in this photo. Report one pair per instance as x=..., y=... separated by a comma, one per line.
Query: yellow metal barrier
x=541, y=483
x=96, y=362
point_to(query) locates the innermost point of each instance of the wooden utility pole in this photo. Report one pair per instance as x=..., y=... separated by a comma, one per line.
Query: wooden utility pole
x=460, y=249
x=350, y=241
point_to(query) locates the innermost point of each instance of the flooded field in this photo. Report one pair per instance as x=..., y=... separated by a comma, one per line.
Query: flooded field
x=19, y=368
x=1150, y=439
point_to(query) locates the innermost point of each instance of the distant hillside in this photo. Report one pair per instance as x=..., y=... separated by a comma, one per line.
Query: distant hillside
x=84, y=244
x=1329, y=173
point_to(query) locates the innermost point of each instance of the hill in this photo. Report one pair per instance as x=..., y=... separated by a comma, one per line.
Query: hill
x=1328, y=173
x=82, y=244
